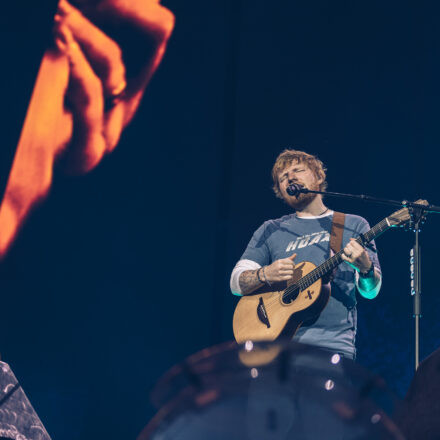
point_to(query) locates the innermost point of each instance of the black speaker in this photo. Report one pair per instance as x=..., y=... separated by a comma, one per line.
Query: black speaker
x=420, y=415
x=18, y=420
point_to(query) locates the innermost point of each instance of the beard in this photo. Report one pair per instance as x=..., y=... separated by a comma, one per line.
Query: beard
x=303, y=200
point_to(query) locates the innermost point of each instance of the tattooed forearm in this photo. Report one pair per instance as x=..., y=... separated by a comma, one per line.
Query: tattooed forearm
x=249, y=281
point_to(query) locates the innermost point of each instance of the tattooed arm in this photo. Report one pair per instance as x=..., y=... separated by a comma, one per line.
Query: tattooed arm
x=250, y=280
x=248, y=275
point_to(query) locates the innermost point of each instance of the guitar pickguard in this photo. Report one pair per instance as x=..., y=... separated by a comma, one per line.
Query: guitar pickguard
x=261, y=312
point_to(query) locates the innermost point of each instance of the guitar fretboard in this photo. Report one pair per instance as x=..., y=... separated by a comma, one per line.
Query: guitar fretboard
x=334, y=261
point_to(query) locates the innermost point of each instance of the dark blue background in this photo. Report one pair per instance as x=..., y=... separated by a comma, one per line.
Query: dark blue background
x=124, y=272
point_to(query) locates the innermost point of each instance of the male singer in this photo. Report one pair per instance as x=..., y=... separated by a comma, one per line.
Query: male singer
x=304, y=235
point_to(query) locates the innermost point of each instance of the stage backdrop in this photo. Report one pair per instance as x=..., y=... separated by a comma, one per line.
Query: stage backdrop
x=125, y=271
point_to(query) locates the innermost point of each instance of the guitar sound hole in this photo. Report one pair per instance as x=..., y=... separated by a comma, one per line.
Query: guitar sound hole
x=290, y=294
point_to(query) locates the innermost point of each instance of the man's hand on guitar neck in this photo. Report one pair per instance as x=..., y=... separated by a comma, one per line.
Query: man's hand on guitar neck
x=369, y=280
x=356, y=256
x=279, y=270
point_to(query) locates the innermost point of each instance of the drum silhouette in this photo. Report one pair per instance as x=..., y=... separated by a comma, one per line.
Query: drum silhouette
x=270, y=391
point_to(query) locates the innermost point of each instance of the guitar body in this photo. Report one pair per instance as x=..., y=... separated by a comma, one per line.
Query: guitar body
x=265, y=316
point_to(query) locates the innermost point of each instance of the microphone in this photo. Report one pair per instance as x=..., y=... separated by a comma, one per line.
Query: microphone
x=295, y=189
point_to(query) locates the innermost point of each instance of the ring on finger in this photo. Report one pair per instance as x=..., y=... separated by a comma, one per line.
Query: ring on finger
x=117, y=94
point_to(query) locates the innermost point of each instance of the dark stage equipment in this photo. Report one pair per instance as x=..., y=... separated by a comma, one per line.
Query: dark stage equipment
x=18, y=420
x=270, y=391
x=420, y=415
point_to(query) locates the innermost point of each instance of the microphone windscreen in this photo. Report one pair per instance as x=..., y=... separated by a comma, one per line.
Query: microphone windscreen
x=294, y=189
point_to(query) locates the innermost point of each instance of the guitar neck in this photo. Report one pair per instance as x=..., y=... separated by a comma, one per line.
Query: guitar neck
x=336, y=260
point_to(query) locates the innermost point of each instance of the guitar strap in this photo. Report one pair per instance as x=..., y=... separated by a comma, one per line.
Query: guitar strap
x=337, y=231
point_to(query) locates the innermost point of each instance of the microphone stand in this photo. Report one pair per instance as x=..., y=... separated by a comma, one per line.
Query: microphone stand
x=418, y=212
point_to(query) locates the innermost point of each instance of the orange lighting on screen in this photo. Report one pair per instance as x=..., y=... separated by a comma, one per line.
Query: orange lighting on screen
x=86, y=67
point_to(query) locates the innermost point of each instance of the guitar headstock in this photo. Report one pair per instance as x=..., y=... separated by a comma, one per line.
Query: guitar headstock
x=407, y=215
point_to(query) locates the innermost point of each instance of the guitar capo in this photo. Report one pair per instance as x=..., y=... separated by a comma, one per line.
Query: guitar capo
x=366, y=244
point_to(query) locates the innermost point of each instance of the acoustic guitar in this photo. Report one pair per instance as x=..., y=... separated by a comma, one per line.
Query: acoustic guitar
x=277, y=311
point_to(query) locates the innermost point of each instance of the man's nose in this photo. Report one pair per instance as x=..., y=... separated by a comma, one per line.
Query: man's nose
x=291, y=177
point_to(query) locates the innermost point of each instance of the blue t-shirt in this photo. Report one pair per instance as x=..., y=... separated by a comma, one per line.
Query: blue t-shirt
x=309, y=238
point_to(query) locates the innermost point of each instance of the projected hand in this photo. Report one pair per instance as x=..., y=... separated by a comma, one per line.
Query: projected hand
x=88, y=88
x=103, y=92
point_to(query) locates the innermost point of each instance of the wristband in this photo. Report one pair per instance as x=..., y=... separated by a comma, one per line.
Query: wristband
x=368, y=273
x=258, y=276
x=265, y=278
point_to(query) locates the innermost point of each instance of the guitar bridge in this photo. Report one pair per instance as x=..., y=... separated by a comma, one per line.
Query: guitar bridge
x=261, y=312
